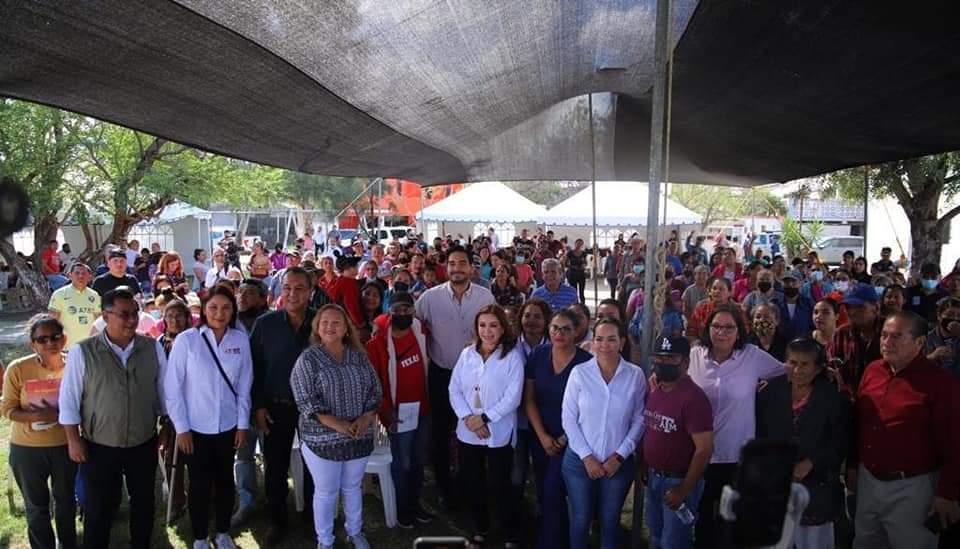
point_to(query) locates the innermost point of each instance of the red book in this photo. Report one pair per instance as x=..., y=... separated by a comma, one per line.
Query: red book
x=43, y=393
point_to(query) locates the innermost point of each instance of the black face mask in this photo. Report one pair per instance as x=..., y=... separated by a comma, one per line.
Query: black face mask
x=401, y=287
x=688, y=275
x=666, y=372
x=791, y=292
x=764, y=286
x=401, y=322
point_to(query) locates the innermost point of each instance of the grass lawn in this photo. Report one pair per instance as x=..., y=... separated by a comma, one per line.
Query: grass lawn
x=13, y=523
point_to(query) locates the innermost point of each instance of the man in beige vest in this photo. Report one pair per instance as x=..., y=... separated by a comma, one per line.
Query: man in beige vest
x=110, y=399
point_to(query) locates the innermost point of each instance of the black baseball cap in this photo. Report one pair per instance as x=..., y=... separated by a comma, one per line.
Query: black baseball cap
x=401, y=298
x=116, y=252
x=347, y=261
x=672, y=346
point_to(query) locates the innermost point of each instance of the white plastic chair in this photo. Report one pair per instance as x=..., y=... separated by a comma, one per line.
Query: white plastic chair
x=379, y=464
x=296, y=472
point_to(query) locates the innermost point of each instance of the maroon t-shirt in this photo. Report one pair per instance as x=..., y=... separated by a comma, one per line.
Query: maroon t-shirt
x=670, y=419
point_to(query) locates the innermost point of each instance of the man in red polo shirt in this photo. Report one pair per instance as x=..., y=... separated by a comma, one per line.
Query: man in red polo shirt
x=908, y=443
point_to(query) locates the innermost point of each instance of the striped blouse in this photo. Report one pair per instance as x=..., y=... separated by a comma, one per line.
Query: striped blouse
x=345, y=389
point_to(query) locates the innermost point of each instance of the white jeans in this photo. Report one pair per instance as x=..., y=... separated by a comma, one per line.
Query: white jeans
x=330, y=478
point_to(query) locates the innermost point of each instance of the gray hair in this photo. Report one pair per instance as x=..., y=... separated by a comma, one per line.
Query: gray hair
x=550, y=262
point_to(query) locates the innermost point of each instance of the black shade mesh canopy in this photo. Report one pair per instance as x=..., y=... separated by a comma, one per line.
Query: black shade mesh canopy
x=464, y=90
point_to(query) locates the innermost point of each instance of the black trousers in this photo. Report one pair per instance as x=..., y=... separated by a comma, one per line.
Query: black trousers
x=276, y=452
x=211, y=465
x=478, y=464
x=103, y=475
x=444, y=423
x=612, y=283
x=711, y=530
x=33, y=468
x=579, y=281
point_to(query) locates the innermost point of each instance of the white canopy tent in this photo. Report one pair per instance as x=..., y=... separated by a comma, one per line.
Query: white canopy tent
x=619, y=204
x=478, y=206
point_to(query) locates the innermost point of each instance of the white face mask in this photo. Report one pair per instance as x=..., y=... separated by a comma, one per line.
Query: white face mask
x=842, y=286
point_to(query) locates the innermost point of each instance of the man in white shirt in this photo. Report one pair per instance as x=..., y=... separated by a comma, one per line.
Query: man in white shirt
x=113, y=388
x=448, y=311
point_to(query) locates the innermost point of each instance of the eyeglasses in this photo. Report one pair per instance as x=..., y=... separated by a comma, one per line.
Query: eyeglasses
x=52, y=338
x=565, y=330
x=126, y=315
x=723, y=328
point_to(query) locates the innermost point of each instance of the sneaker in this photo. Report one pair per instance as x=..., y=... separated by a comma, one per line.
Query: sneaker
x=241, y=516
x=223, y=541
x=359, y=541
x=201, y=544
x=423, y=517
x=404, y=522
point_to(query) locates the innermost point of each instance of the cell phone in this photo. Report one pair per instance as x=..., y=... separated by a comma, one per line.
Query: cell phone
x=440, y=542
x=933, y=523
x=763, y=480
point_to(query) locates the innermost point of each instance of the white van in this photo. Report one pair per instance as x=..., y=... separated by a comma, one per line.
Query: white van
x=830, y=248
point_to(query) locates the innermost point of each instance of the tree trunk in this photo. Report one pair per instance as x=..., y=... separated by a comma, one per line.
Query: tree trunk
x=91, y=244
x=44, y=230
x=303, y=220
x=925, y=233
x=36, y=284
x=243, y=222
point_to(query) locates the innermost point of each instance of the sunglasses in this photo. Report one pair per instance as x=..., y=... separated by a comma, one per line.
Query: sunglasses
x=53, y=338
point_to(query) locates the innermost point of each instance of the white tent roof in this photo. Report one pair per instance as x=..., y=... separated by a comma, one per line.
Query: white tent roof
x=490, y=202
x=619, y=204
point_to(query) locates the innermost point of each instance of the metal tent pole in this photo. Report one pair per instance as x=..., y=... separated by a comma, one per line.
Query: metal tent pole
x=593, y=199
x=423, y=222
x=866, y=206
x=658, y=143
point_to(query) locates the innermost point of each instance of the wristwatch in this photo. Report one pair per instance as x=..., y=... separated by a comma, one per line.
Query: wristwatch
x=485, y=419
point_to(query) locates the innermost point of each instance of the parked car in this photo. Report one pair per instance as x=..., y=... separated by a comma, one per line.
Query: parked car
x=347, y=236
x=830, y=248
x=389, y=234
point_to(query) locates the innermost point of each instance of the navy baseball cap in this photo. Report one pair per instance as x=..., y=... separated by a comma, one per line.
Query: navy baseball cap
x=861, y=295
x=671, y=346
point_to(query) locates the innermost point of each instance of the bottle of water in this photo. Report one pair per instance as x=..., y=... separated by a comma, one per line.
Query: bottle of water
x=685, y=514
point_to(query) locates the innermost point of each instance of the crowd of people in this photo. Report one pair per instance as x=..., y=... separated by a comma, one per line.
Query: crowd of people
x=482, y=359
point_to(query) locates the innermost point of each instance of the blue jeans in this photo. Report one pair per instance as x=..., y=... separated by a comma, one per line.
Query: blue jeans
x=606, y=495
x=409, y=452
x=552, y=496
x=245, y=469
x=666, y=528
x=57, y=281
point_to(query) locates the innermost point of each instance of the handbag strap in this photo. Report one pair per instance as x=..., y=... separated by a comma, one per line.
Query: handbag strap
x=219, y=366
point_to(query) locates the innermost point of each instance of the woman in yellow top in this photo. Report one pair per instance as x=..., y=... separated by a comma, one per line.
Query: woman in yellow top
x=38, y=445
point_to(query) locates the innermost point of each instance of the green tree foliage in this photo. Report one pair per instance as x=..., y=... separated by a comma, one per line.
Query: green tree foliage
x=714, y=202
x=39, y=147
x=131, y=177
x=920, y=185
x=319, y=192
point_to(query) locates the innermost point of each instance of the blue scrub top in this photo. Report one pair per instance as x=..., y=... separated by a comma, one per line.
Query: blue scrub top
x=549, y=386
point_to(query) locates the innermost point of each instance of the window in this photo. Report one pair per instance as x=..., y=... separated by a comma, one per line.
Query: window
x=505, y=232
x=148, y=233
